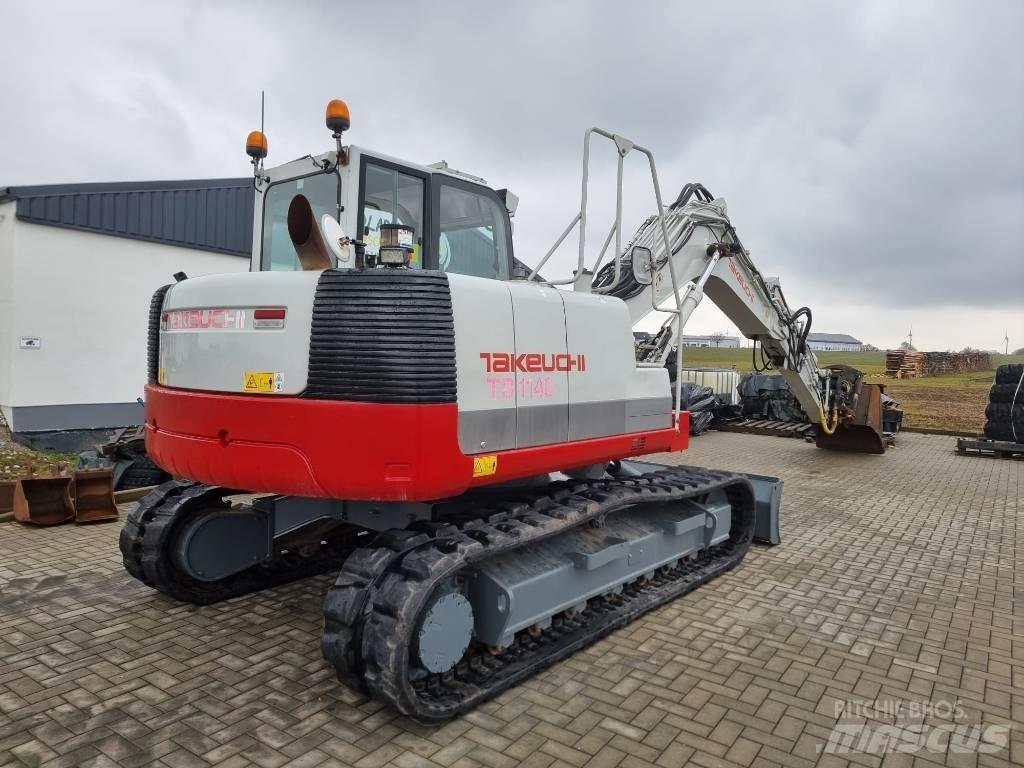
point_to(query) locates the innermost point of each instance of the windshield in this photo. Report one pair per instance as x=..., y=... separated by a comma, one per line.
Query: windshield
x=472, y=239
x=321, y=189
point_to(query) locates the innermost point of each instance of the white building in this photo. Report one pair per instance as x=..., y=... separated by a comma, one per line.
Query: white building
x=712, y=340
x=78, y=266
x=833, y=342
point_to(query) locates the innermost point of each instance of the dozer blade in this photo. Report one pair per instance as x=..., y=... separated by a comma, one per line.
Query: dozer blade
x=864, y=433
x=6, y=496
x=94, y=496
x=43, y=500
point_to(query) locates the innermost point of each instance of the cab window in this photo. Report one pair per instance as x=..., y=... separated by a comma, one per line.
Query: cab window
x=320, y=189
x=473, y=238
x=392, y=197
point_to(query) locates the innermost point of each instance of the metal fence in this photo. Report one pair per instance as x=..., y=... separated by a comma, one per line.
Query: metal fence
x=722, y=380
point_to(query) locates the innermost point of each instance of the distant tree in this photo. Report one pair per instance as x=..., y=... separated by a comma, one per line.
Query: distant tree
x=717, y=338
x=968, y=350
x=869, y=348
x=906, y=346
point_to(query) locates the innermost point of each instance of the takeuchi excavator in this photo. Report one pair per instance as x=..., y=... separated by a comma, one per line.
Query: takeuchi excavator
x=389, y=393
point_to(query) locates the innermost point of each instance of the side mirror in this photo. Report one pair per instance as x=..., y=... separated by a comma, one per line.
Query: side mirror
x=642, y=261
x=511, y=201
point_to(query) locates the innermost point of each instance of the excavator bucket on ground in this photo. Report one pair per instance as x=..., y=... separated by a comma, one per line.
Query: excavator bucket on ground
x=94, y=496
x=6, y=497
x=863, y=434
x=44, y=500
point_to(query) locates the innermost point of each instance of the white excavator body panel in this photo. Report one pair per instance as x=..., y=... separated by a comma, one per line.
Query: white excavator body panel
x=213, y=336
x=535, y=365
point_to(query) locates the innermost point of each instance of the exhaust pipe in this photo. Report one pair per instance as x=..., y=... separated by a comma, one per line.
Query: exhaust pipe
x=310, y=245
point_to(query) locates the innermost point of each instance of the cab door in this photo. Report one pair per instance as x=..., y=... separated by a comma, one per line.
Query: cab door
x=392, y=194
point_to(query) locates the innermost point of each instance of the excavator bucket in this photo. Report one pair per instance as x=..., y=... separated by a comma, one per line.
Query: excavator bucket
x=863, y=434
x=44, y=500
x=94, y=496
x=6, y=496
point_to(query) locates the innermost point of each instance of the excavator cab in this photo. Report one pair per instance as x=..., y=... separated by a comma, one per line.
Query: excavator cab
x=360, y=209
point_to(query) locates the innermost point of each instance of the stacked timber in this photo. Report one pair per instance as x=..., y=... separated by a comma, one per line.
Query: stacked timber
x=901, y=364
x=894, y=361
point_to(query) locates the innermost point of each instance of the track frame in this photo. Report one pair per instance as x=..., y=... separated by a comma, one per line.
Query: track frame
x=371, y=613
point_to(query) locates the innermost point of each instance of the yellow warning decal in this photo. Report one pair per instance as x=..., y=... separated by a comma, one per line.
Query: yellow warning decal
x=260, y=381
x=484, y=465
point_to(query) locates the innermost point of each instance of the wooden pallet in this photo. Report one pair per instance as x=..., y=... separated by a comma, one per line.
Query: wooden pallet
x=768, y=427
x=908, y=365
x=997, y=448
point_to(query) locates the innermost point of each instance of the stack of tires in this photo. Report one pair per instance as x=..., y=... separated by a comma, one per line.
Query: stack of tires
x=1005, y=411
x=700, y=402
x=767, y=396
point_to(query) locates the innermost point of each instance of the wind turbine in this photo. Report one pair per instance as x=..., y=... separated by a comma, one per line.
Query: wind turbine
x=1006, y=342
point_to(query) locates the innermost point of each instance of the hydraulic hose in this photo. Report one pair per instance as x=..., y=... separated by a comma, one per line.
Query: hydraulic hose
x=828, y=430
x=824, y=421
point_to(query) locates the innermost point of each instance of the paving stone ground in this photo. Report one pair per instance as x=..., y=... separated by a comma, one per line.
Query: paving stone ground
x=900, y=578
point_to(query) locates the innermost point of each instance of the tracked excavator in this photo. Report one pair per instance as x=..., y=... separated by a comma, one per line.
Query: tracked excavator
x=389, y=393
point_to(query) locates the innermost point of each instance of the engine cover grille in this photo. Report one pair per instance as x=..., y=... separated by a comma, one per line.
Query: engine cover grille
x=382, y=336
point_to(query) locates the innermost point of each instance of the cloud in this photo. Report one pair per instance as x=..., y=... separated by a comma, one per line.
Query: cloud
x=870, y=152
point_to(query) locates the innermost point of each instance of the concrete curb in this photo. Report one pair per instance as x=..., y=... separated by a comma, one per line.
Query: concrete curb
x=131, y=494
x=931, y=431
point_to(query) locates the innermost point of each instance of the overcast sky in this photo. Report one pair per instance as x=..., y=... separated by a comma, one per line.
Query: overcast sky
x=872, y=153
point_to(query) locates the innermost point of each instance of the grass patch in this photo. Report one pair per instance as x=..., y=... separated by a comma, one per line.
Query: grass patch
x=17, y=461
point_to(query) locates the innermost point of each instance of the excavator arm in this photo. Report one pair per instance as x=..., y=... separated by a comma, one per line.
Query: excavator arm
x=708, y=258
x=689, y=249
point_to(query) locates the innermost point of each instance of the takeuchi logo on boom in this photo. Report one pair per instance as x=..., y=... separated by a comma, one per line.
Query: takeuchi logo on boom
x=741, y=279
x=532, y=362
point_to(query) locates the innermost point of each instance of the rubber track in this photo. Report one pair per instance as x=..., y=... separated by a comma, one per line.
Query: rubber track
x=148, y=533
x=370, y=615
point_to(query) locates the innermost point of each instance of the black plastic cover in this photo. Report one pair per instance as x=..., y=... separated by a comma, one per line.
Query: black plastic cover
x=156, y=306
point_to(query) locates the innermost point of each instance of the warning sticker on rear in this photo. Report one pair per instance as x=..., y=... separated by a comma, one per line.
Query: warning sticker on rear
x=263, y=381
x=484, y=465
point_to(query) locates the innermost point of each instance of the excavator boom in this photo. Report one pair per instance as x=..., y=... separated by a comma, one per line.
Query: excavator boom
x=689, y=249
